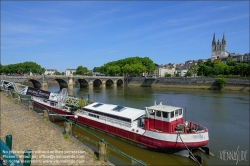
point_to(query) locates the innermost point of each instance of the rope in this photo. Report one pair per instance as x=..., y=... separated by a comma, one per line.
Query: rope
x=188, y=149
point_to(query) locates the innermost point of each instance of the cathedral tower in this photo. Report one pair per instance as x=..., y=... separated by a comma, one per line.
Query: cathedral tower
x=219, y=48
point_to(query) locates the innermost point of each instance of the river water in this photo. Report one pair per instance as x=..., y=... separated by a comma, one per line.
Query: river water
x=225, y=114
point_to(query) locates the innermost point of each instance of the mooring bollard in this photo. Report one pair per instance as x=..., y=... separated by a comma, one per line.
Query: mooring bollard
x=27, y=158
x=68, y=128
x=31, y=106
x=10, y=94
x=9, y=141
x=46, y=115
x=19, y=99
x=102, y=151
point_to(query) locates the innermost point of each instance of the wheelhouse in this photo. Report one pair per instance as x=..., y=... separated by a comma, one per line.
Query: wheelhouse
x=163, y=118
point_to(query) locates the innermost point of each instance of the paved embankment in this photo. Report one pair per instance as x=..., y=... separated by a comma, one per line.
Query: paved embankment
x=47, y=143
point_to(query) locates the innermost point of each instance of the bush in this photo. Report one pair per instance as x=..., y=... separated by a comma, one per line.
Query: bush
x=221, y=82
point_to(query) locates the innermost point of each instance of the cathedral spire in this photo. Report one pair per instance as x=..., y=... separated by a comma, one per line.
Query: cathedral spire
x=214, y=41
x=223, y=39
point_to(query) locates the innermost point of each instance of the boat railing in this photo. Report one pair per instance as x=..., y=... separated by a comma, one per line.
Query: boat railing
x=197, y=128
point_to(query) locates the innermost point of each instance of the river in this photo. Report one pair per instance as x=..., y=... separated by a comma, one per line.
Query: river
x=224, y=113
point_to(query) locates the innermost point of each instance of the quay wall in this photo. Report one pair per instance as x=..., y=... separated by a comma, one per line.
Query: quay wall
x=234, y=84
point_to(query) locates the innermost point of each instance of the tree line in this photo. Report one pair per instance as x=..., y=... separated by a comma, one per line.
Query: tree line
x=216, y=68
x=132, y=66
x=21, y=68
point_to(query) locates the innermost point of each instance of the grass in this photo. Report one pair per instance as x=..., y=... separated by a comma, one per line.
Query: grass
x=96, y=159
x=67, y=137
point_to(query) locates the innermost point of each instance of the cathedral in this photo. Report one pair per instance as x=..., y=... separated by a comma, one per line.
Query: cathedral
x=219, y=48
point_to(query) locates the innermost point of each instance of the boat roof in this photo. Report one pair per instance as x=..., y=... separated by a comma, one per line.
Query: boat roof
x=121, y=111
x=164, y=108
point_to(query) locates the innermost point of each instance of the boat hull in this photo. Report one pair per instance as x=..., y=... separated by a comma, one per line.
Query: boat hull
x=146, y=141
x=52, y=109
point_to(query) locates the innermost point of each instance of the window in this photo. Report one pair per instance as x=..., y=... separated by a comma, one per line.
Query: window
x=176, y=112
x=97, y=105
x=180, y=111
x=151, y=112
x=118, y=108
x=165, y=114
x=172, y=114
x=93, y=115
x=158, y=113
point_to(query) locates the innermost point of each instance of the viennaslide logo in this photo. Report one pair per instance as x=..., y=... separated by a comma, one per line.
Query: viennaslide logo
x=234, y=155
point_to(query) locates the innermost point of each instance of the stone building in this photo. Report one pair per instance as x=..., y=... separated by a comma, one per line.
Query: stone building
x=50, y=71
x=69, y=72
x=219, y=48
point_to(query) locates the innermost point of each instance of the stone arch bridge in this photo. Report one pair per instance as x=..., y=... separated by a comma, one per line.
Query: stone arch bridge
x=42, y=82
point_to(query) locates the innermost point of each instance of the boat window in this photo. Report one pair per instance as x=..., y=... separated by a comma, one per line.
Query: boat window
x=180, y=111
x=172, y=114
x=176, y=112
x=151, y=112
x=158, y=113
x=93, y=115
x=165, y=114
x=97, y=105
x=118, y=108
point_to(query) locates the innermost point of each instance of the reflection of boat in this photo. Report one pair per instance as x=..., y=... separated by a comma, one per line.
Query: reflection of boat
x=159, y=127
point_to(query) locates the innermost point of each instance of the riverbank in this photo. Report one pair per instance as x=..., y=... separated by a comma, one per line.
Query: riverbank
x=48, y=145
x=189, y=83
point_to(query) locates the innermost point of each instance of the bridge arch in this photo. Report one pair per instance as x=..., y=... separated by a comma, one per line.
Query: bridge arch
x=97, y=82
x=83, y=83
x=119, y=82
x=36, y=84
x=109, y=82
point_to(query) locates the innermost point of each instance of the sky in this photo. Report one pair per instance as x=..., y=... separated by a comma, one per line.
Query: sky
x=67, y=34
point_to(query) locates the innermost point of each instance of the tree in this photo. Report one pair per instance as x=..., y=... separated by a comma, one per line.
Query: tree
x=114, y=70
x=167, y=75
x=221, y=82
x=188, y=74
x=193, y=70
x=219, y=68
x=57, y=73
x=25, y=67
x=131, y=65
x=81, y=70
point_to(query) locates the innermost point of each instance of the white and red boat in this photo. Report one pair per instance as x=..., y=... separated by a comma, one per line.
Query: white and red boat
x=159, y=127
x=59, y=103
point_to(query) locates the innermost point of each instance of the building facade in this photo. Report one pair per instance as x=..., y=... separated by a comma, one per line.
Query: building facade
x=69, y=72
x=50, y=71
x=219, y=48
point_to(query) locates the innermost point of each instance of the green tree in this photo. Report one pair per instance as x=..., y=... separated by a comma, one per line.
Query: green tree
x=167, y=75
x=218, y=68
x=188, y=74
x=114, y=70
x=193, y=70
x=128, y=66
x=57, y=73
x=80, y=70
x=221, y=82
